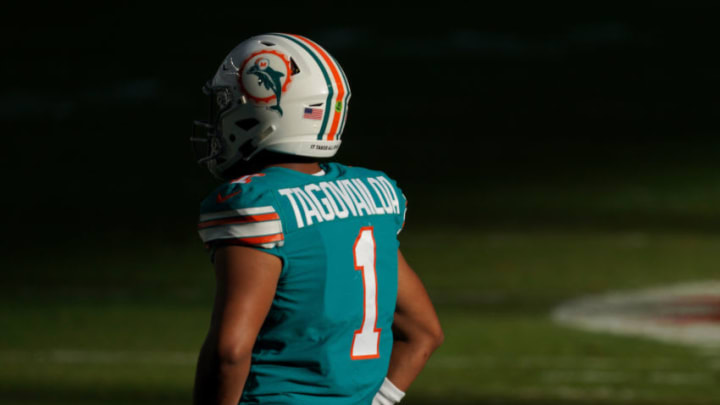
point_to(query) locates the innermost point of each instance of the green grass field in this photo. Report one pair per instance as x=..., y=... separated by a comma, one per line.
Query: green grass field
x=123, y=324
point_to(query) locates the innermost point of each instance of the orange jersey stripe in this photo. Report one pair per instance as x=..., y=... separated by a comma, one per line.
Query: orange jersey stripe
x=248, y=241
x=239, y=220
x=338, y=81
x=262, y=239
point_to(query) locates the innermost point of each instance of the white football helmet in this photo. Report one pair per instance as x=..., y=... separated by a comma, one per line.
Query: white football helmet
x=278, y=92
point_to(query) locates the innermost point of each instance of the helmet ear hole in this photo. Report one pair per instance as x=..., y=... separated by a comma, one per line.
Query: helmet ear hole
x=247, y=123
x=232, y=137
x=294, y=69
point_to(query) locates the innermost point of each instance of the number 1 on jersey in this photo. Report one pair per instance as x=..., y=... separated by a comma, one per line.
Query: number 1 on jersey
x=366, y=341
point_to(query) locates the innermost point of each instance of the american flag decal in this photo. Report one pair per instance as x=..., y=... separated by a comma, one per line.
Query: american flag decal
x=313, y=113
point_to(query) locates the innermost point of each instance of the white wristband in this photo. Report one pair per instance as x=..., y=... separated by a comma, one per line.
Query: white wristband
x=389, y=394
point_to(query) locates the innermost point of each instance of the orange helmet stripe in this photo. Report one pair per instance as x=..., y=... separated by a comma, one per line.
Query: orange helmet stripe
x=337, y=115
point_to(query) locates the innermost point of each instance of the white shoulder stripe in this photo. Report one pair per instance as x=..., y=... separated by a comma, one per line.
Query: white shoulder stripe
x=271, y=245
x=249, y=230
x=236, y=213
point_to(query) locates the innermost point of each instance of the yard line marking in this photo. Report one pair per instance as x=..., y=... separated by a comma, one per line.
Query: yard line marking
x=596, y=393
x=639, y=363
x=71, y=356
x=680, y=378
x=585, y=376
x=617, y=377
x=551, y=370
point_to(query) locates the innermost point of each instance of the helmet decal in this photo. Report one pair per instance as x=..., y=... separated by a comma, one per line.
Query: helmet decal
x=345, y=102
x=264, y=76
x=333, y=116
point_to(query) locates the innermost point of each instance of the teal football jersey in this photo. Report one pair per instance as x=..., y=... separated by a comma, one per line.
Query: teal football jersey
x=327, y=338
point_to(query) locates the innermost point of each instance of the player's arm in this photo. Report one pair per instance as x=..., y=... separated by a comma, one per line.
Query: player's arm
x=246, y=282
x=416, y=329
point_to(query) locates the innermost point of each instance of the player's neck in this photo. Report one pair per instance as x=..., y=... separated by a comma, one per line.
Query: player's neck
x=269, y=159
x=307, y=168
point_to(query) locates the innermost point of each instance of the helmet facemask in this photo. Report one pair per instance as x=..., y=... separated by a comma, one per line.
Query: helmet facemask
x=208, y=142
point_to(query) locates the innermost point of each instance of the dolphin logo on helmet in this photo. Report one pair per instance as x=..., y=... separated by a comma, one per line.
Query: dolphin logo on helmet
x=268, y=78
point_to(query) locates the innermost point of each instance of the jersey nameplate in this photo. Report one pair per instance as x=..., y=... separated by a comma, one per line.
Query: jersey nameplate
x=338, y=199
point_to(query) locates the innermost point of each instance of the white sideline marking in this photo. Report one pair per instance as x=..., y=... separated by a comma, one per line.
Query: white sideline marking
x=69, y=356
x=442, y=361
x=592, y=370
x=585, y=376
x=559, y=371
x=616, y=377
x=638, y=313
x=641, y=363
x=595, y=393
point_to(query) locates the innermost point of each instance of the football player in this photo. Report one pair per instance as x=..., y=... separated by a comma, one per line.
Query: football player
x=314, y=303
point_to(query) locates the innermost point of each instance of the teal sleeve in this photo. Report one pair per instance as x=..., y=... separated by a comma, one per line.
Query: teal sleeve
x=241, y=214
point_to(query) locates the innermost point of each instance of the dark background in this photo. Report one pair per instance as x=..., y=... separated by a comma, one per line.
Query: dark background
x=524, y=115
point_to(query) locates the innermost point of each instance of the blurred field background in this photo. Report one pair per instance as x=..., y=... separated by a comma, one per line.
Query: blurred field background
x=547, y=153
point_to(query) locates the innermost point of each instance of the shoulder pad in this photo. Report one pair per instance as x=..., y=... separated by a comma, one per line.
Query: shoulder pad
x=241, y=212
